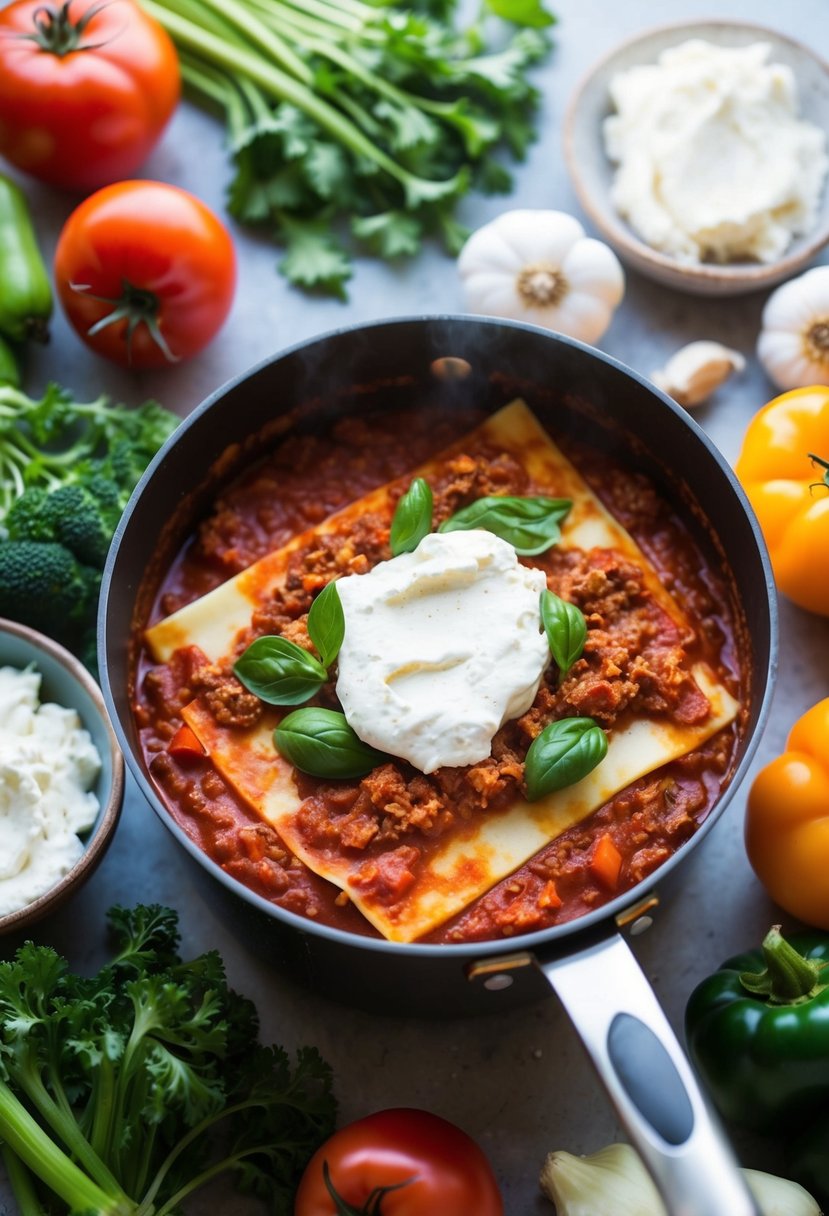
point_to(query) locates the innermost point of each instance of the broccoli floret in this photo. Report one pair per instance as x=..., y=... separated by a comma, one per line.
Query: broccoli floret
x=27, y=519
x=76, y=521
x=43, y=585
x=108, y=494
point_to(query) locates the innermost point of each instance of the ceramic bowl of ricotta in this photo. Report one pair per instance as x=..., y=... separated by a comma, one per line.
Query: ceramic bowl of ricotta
x=61, y=776
x=699, y=151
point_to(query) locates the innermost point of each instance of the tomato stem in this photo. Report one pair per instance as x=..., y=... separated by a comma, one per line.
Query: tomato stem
x=371, y=1207
x=57, y=33
x=136, y=306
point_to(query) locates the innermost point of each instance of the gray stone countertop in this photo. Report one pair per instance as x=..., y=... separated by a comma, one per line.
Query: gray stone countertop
x=519, y=1082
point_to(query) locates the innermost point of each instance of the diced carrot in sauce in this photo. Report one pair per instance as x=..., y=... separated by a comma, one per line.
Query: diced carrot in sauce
x=606, y=861
x=549, y=896
x=185, y=745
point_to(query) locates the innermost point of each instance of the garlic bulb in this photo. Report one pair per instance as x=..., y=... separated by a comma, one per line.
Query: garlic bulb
x=794, y=336
x=614, y=1182
x=694, y=372
x=539, y=266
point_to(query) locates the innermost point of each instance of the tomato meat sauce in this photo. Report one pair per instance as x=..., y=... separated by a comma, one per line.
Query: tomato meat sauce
x=635, y=662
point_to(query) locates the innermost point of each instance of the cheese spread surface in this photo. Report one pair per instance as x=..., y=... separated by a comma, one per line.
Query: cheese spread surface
x=442, y=646
x=713, y=161
x=48, y=763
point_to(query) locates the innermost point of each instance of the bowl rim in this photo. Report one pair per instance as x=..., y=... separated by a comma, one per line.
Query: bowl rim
x=467, y=950
x=748, y=274
x=108, y=815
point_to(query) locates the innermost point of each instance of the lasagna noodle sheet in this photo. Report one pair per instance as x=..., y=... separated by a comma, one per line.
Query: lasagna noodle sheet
x=213, y=622
x=469, y=862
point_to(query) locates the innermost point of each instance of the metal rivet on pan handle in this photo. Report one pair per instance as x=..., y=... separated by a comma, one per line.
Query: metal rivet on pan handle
x=496, y=974
x=637, y=919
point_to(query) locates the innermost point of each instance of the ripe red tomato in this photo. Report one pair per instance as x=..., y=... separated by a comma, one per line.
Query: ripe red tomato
x=399, y=1162
x=145, y=273
x=86, y=88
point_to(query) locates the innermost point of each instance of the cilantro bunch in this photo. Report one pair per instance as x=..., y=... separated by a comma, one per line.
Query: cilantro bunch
x=67, y=469
x=366, y=121
x=122, y=1093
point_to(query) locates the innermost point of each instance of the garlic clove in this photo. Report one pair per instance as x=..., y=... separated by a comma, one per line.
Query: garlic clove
x=614, y=1182
x=696, y=371
x=610, y=1182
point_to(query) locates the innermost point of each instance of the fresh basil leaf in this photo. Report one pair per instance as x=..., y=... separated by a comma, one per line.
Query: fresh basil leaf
x=566, y=630
x=326, y=623
x=412, y=518
x=563, y=753
x=279, y=671
x=530, y=525
x=320, y=742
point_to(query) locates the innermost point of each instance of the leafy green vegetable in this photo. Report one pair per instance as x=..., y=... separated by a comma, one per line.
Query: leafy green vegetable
x=326, y=623
x=530, y=525
x=372, y=119
x=279, y=672
x=566, y=630
x=562, y=754
x=67, y=469
x=412, y=518
x=320, y=742
x=124, y=1092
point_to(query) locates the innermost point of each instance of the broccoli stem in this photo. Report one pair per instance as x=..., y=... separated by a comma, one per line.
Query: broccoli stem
x=28, y=1141
x=238, y=60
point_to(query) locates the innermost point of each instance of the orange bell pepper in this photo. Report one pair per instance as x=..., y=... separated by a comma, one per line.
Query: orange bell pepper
x=787, y=821
x=784, y=469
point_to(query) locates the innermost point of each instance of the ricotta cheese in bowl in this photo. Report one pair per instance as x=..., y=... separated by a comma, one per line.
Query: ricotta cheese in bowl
x=48, y=764
x=442, y=646
x=714, y=162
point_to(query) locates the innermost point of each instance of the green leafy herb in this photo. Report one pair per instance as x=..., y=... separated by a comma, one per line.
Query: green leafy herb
x=124, y=1092
x=373, y=117
x=566, y=630
x=279, y=672
x=523, y=12
x=562, y=754
x=320, y=742
x=530, y=525
x=412, y=518
x=326, y=623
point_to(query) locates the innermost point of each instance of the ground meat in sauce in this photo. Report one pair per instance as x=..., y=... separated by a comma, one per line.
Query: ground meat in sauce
x=635, y=660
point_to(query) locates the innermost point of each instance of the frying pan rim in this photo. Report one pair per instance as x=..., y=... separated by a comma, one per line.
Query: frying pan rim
x=527, y=942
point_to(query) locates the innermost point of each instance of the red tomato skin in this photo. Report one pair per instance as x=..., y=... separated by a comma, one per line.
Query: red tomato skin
x=157, y=238
x=445, y=1171
x=89, y=117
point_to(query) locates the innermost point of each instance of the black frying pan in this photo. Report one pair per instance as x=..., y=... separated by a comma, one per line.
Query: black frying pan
x=587, y=962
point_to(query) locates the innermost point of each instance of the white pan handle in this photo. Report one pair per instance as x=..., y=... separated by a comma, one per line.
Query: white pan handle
x=649, y=1079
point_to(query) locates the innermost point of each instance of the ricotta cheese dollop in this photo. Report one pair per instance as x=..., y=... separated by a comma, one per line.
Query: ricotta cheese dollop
x=47, y=764
x=441, y=647
x=714, y=162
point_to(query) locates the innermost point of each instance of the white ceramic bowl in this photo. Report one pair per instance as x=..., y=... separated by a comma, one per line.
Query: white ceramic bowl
x=592, y=172
x=67, y=682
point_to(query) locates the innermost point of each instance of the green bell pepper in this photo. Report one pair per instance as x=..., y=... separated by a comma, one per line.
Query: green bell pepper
x=758, y=1032
x=807, y=1159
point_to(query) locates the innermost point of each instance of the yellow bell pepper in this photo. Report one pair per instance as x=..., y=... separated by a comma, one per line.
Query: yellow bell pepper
x=784, y=469
x=787, y=821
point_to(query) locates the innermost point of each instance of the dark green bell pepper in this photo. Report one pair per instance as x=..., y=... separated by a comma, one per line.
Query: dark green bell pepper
x=758, y=1032
x=807, y=1159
